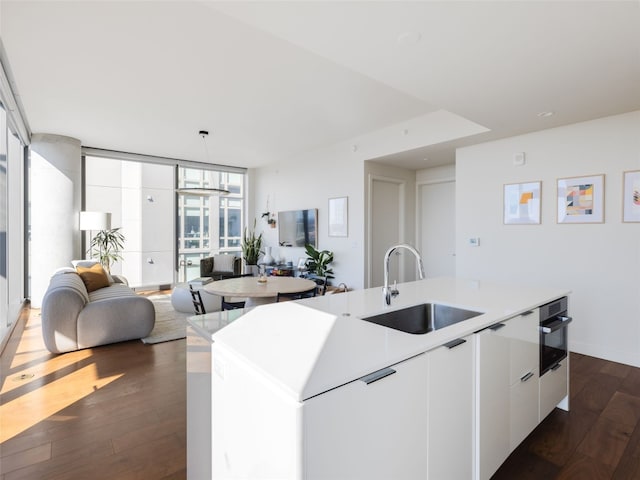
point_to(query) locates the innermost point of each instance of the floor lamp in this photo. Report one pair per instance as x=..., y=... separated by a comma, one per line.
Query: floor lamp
x=90, y=221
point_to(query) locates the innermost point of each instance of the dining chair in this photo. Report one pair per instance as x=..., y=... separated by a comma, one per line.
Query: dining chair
x=198, y=304
x=231, y=305
x=321, y=282
x=297, y=295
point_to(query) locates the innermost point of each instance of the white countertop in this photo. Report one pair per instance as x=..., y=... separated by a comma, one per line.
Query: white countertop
x=313, y=345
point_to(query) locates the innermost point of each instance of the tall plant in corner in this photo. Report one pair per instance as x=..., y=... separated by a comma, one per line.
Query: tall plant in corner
x=318, y=261
x=106, y=247
x=251, y=245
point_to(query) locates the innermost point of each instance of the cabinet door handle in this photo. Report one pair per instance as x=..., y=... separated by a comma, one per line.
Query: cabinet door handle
x=379, y=375
x=524, y=314
x=497, y=326
x=455, y=343
x=556, y=366
x=526, y=377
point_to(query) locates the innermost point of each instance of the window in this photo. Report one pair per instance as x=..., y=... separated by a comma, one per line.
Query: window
x=12, y=242
x=4, y=285
x=208, y=224
x=141, y=197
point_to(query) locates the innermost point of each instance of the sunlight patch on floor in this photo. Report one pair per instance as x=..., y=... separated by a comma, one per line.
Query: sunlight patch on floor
x=46, y=367
x=40, y=404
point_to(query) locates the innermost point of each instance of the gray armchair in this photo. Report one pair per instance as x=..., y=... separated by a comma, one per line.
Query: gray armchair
x=221, y=266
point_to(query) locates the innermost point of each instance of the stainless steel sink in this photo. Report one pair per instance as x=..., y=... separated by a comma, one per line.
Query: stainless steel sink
x=423, y=318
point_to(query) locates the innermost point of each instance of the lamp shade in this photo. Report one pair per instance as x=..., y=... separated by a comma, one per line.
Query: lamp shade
x=95, y=221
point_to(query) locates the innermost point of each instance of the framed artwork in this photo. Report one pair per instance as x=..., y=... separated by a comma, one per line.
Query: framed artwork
x=631, y=196
x=339, y=217
x=581, y=199
x=522, y=203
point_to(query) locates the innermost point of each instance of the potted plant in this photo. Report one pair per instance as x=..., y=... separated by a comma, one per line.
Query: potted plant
x=251, y=245
x=106, y=247
x=271, y=218
x=318, y=261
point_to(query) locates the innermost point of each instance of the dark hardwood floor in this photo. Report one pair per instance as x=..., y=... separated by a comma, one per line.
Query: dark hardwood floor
x=599, y=438
x=113, y=412
x=119, y=412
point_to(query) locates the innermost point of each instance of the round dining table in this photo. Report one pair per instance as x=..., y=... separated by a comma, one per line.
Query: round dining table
x=258, y=293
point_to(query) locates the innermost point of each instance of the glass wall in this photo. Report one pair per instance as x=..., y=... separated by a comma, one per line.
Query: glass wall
x=4, y=283
x=12, y=244
x=208, y=224
x=141, y=198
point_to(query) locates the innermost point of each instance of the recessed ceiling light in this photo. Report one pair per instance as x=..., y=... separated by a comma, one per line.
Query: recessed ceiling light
x=546, y=114
x=409, y=38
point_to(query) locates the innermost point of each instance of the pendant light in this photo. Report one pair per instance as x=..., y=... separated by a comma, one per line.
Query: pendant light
x=203, y=191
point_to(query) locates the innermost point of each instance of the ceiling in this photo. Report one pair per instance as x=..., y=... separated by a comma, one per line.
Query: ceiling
x=272, y=80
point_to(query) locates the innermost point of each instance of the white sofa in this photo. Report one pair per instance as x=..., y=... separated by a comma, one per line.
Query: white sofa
x=73, y=319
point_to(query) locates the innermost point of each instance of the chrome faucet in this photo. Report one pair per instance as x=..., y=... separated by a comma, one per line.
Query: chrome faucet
x=392, y=292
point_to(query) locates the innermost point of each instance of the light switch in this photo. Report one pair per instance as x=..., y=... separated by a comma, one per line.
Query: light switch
x=518, y=159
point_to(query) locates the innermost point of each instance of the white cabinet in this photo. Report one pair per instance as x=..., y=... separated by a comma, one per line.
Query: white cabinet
x=450, y=406
x=524, y=355
x=198, y=406
x=255, y=426
x=554, y=388
x=417, y=419
x=507, y=379
x=370, y=428
x=523, y=408
x=493, y=399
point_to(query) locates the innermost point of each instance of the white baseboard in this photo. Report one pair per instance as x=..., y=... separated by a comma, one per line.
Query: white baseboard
x=628, y=358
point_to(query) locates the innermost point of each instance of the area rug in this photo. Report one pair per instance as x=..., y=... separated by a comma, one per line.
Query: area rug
x=170, y=325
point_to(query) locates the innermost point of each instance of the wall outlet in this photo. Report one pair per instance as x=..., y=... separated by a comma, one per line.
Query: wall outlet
x=474, y=241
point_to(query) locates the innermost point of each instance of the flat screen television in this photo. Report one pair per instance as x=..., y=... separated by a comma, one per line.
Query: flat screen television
x=296, y=228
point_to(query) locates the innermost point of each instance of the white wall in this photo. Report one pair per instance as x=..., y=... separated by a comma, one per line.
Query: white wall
x=140, y=197
x=309, y=182
x=598, y=262
x=442, y=173
x=55, y=180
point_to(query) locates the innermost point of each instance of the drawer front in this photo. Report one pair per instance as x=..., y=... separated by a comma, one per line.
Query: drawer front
x=525, y=345
x=553, y=388
x=523, y=408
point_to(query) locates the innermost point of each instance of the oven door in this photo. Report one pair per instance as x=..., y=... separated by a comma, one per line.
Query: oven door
x=553, y=342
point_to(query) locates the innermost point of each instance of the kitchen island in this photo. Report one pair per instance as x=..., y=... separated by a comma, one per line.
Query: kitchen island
x=310, y=390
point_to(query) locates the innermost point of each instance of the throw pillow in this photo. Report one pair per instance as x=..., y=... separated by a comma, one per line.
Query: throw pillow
x=94, y=277
x=223, y=263
x=91, y=263
x=84, y=263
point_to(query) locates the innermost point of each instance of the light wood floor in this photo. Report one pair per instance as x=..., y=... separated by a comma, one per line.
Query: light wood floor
x=119, y=412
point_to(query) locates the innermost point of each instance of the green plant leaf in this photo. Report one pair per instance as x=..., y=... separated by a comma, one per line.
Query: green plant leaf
x=318, y=261
x=251, y=245
x=106, y=247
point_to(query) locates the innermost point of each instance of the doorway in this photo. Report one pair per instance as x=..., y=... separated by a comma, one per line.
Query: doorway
x=436, y=227
x=386, y=227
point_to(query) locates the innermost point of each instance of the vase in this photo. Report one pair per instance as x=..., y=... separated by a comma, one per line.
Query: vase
x=268, y=258
x=253, y=270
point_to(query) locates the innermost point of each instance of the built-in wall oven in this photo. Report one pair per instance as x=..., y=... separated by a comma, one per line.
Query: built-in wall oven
x=553, y=334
